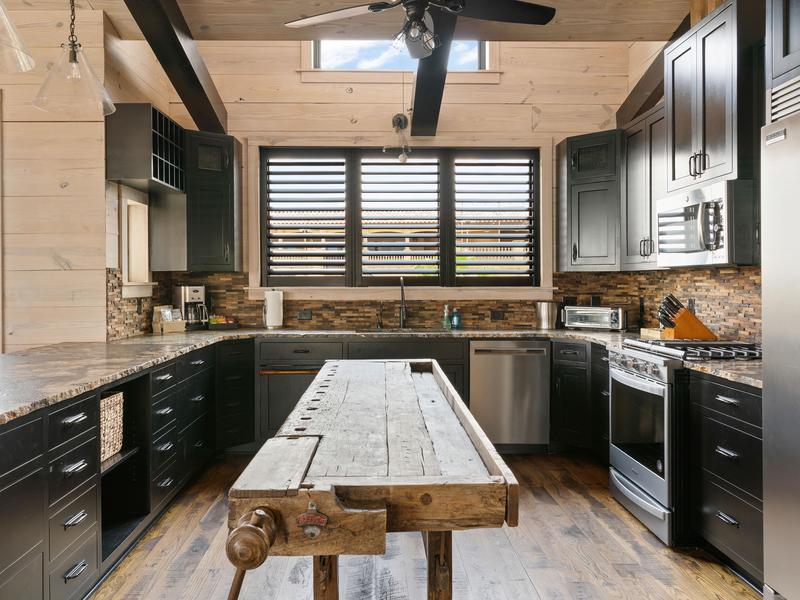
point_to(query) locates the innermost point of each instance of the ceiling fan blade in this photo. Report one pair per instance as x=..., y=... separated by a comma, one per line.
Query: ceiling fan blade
x=508, y=11
x=431, y=77
x=343, y=13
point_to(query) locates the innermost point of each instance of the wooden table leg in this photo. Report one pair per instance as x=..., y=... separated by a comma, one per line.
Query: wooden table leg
x=326, y=578
x=439, y=548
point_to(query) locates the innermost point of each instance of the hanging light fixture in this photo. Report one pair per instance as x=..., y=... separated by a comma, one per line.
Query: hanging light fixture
x=417, y=36
x=14, y=54
x=72, y=87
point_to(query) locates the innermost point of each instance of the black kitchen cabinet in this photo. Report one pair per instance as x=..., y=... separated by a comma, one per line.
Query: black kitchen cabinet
x=712, y=95
x=235, y=393
x=783, y=41
x=213, y=221
x=726, y=471
x=600, y=403
x=588, y=202
x=644, y=171
x=570, y=403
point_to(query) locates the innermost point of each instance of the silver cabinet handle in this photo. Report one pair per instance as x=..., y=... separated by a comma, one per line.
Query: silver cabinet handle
x=165, y=483
x=727, y=519
x=76, y=571
x=74, y=419
x=163, y=412
x=604, y=394
x=198, y=363
x=166, y=377
x=165, y=447
x=75, y=468
x=726, y=453
x=692, y=170
x=76, y=519
x=199, y=444
x=198, y=398
x=728, y=401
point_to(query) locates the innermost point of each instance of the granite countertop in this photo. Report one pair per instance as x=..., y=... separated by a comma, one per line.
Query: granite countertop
x=40, y=377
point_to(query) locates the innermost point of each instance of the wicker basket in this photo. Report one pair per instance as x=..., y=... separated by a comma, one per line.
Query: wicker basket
x=111, y=425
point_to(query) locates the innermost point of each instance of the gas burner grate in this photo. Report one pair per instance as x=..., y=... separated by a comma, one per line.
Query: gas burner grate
x=698, y=351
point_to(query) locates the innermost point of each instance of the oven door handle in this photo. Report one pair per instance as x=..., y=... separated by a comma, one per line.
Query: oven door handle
x=638, y=383
x=637, y=498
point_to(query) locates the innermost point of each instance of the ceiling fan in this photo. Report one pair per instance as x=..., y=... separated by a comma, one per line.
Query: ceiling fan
x=418, y=32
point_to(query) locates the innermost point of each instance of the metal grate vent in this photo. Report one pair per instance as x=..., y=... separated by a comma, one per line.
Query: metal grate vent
x=785, y=100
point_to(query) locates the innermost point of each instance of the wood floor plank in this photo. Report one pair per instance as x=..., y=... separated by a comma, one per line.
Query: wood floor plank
x=573, y=542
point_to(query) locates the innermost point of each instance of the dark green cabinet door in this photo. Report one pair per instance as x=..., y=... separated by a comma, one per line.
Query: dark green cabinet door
x=279, y=392
x=210, y=202
x=784, y=39
x=635, y=195
x=594, y=223
x=716, y=118
x=235, y=394
x=680, y=92
x=593, y=157
x=570, y=405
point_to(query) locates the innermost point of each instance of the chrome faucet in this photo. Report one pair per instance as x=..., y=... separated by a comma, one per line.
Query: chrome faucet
x=403, y=308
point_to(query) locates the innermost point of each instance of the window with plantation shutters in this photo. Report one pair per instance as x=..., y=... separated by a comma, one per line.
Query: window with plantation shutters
x=495, y=220
x=360, y=217
x=305, y=219
x=400, y=231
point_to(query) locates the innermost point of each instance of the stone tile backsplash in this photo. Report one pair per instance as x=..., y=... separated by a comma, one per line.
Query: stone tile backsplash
x=728, y=300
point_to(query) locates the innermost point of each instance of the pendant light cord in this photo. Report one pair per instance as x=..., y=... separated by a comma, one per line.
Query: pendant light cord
x=72, y=39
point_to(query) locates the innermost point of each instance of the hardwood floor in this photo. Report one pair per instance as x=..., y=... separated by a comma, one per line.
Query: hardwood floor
x=574, y=541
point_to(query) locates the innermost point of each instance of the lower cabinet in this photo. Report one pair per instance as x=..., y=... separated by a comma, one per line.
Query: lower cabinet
x=235, y=393
x=726, y=472
x=570, y=402
x=280, y=389
x=600, y=403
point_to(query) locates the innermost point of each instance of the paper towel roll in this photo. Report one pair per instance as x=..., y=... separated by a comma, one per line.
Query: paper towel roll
x=273, y=309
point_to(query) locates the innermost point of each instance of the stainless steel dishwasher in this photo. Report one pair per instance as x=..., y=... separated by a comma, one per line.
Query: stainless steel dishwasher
x=509, y=391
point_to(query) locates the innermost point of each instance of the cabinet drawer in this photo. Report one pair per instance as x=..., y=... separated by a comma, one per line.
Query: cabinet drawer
x=72, y=521
x=197, y=444
x=733, y=526
x=195, y=362
x=441, y=351
x=235, y=353
x=165, y=412
x=569, y=351
x=163, y=485
x=164, y=449
x=194, y=399
x=70, y=470
x=731, y=454
x=22, y=515
x=164, y=378
x=68, y=423
x=71, y=578
x=729, y=401
x=21, y=444
x=299, y=351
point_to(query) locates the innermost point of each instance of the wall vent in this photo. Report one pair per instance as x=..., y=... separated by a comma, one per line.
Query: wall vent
x=785, y=100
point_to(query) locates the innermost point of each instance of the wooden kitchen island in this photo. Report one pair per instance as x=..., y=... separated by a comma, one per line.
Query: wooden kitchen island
x=372, y=447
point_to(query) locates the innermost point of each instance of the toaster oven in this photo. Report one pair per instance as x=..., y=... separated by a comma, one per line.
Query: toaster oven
x=616, y=318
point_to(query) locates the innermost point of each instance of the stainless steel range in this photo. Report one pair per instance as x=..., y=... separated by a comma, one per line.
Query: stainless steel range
x=647, y=421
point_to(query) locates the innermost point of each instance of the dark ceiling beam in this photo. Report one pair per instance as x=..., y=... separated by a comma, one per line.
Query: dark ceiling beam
x=650, y=87
x=431, y=77
x=165, y=29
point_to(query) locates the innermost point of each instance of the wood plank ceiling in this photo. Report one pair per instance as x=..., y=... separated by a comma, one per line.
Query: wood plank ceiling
x=576, y=20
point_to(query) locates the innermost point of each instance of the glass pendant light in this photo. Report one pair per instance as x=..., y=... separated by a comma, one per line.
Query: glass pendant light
x=14, y=54
x=72, y=87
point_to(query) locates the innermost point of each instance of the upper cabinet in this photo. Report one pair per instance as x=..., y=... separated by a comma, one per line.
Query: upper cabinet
x=783, y=37
x=213, y=225
x=713, y=109
x=644, y=169
x=588, y=197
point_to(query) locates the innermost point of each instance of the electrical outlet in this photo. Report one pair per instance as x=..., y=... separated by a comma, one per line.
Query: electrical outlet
x=498, y=315
x=690, y=304
x=305, y=315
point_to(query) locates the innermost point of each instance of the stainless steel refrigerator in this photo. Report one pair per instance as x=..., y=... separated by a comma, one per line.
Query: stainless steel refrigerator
x=780, y=257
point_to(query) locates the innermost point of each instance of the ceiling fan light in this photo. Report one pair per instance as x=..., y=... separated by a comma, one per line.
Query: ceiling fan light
x=14, y=54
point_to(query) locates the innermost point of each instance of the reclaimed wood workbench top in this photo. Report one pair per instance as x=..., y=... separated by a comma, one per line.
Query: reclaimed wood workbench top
x=372, y=447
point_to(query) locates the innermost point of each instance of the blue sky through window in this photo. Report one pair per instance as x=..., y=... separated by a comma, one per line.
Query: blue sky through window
x=380, y=55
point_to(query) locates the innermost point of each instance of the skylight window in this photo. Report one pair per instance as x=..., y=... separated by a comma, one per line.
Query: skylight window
x=381, y=55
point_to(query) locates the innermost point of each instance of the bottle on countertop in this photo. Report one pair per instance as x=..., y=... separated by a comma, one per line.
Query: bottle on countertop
x=455, y=319
x=446, y=322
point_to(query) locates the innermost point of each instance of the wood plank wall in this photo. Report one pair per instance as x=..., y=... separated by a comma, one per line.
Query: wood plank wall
x=54, y=229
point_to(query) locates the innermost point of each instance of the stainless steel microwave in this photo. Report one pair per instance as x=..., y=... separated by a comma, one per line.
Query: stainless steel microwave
x=709, y=226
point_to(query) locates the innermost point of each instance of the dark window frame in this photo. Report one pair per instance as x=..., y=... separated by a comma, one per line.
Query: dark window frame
x=447, y=222
x=483, y=61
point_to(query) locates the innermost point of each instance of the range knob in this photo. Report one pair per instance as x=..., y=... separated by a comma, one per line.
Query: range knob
x=652, y=369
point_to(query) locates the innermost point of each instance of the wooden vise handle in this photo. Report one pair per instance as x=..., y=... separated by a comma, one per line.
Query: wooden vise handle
x=249, y=544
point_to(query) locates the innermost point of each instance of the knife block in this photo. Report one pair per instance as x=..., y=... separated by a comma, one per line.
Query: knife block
x=688, y=327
